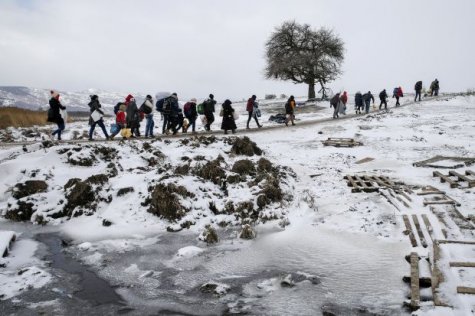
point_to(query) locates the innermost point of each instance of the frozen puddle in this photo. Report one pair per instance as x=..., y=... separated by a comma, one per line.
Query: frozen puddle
x=92, y=288
x=340, y=273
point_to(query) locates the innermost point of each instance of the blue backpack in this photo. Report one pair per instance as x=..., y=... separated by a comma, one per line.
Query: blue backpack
x=159, y=105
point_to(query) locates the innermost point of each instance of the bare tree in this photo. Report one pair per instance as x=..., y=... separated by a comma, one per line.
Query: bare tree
x=296, y=52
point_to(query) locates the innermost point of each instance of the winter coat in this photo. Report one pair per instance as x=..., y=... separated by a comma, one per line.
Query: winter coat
x=94, y=105
x=418, y=86
x=170, y=105
x=209, y=107
x=334, y=101
x=55, y=106
x=434, y=85
x=132, y=112
x=120, y=118
x=358, y=100
x=191, y=114
x=383, y=95
x=228, y=117
x=250, y=105
x=344, y=98
x=367, y=97
x=290, y=106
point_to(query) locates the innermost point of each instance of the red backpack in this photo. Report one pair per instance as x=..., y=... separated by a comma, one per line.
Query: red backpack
x=250, y=105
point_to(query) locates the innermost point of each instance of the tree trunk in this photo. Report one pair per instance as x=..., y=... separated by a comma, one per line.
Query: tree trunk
x=311, y=91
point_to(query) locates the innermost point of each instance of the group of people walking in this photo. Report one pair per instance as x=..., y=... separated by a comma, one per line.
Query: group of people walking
x=128, y=116
x=363, y=101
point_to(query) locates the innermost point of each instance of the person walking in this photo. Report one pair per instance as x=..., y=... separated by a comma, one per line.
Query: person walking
x=397, y=93
x=54, y=114
x=209, y=111
x=289, y=111
x=383, y=96
x=367, y=97
x=334, y=102
x=190, y=113
x=228, y=122
x=251, y=110
x=434, y=88
x=133, y=117
x=120, y=120
x=167, y=108
x=418, y=88
x=147, y=109
x=96, y=116
x=358, y=102
x=343, y=100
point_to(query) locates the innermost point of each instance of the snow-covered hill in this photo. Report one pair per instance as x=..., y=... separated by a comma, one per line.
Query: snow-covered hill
x=33, y=98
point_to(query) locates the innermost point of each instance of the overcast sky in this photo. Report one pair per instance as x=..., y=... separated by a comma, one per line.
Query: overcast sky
x=195, y=47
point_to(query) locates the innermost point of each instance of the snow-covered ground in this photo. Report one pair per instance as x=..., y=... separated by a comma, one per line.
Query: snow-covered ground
x=320, y=249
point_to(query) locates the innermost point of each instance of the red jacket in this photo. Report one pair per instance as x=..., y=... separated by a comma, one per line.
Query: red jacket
x=120, y=118
x=344, y=98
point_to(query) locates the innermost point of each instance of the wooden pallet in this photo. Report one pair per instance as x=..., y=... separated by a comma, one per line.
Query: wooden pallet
x=437, y=162
x=366, y=183
x=435, y=196
x=455, y=179
x=341, y=142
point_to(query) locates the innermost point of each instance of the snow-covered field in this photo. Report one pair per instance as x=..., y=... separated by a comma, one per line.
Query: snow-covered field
x=318, y=248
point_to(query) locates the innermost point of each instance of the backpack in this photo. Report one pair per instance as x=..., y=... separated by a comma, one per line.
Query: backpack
x=288, y=108
x=167, y=106
x=159, y=105
x=116, y=108
x=145, y=109
x=200, y=108
x=399, y=92
x=187, y=109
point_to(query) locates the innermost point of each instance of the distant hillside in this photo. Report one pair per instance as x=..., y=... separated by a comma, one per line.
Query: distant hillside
x=36, y=99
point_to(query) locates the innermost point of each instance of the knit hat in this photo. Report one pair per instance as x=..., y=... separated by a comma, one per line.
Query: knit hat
x=93, y=97
x=54, y=94
x=128, y=98
x=149, y=97
x=227, y=102
x=211, y=96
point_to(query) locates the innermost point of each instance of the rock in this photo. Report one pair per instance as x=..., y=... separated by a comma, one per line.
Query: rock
x=124, y=191
x=29, y=187
x=209, y=235
x=81, y=194
x=106, y=153
x=244, y=146
x=211, y=171
x=264, y=165
x=261, y=201
x=164, y=201
x=217, y=289
x=22, y=213
x=71, y=182
x=106, y=223
x=287, y=281
x=97, y=179
x=182, y=169
x=247, y=232
x=244, y=167
x=234, y=178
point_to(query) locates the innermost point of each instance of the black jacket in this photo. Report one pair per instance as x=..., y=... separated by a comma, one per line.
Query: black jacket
x=383, y=95
x=368, y=96
x=132, y=114
x=54, y=115
x=209, y=106
x=228, y=117
x=94, y=105
x=359, y=99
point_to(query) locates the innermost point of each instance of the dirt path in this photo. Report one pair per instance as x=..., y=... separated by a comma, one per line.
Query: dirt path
x=239, y=131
